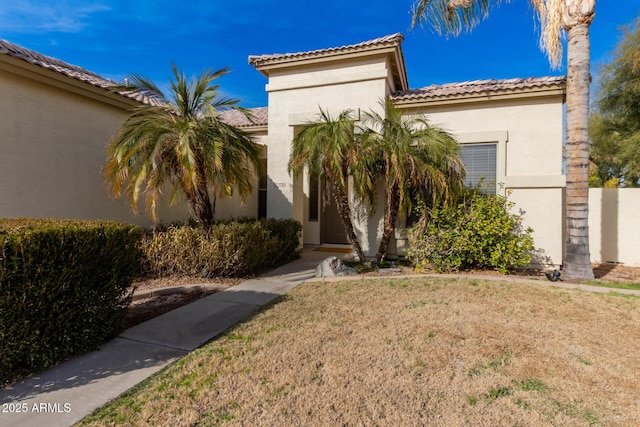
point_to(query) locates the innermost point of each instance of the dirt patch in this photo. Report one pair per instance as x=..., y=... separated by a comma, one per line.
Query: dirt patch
x=616, y=273
x=143, y=309
x=410, y=352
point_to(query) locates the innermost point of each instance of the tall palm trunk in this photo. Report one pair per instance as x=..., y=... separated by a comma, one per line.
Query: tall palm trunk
x=577, y=259
x=344, y=211
x=392, y=206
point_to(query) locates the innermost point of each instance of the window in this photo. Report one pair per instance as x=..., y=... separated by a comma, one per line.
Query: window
x=262, y=190
x=480, y=162
x=314, y=196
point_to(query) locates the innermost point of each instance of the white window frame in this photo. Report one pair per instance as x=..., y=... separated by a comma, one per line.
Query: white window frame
x=500, y=138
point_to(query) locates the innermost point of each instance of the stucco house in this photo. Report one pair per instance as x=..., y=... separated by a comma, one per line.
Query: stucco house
x=56, y=118
x=55, y=122
x=511, y=131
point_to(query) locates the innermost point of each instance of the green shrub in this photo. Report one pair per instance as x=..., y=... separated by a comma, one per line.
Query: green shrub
x=63, y=287
x=229, y=249
x=478, y=232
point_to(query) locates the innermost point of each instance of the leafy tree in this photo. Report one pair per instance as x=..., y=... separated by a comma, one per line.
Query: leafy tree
x=615, y=126
x=179, y=142
x=607, y=168
x=328, y=148
x=408, y=153
x=574, y=17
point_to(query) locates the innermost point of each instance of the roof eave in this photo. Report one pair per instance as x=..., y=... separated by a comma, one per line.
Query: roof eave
x=262, y=128
x=68, y=83
x=401, y=68
x=389, y=45
x=271, y=64
x=484, y=96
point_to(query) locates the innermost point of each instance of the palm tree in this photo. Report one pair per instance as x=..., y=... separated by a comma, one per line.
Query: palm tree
x=574, y=17
x=179, y=142
x=409, y=155
x=328, y=148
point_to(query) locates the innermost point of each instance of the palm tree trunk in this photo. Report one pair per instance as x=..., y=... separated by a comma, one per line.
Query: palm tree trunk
x=200, y=206
x=342, y=204
x=390, y=217
x=199, y=201
x=577, y=259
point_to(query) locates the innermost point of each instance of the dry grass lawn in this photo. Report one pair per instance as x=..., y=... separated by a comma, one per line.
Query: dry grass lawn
x=412, y=352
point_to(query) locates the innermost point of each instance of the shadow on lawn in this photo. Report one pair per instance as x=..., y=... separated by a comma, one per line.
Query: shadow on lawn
x=139, y=351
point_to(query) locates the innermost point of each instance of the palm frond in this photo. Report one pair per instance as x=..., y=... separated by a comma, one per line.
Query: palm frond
x=452, y=16
x=181, y=143
x=412, y=154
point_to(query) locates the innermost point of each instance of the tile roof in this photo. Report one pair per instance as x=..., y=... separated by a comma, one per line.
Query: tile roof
x=390, y=40
x=477, y=87
x=237, y=118
x=64, y=68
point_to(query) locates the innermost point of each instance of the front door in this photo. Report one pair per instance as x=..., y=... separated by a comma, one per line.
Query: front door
x=333, y=230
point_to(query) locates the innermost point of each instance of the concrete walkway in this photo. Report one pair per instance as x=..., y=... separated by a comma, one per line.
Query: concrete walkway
x=68, y=392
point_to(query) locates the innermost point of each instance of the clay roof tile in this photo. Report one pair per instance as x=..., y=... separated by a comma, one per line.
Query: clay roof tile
x=390, y=40
x=69, y=70
x=477, y=87
x=239, y=119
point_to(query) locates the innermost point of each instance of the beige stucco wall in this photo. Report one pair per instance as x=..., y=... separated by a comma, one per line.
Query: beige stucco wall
x=52, y=150
x=295, y=97
x=528, y=133
x=236, y=207
x=534, y=126
x=614, y=233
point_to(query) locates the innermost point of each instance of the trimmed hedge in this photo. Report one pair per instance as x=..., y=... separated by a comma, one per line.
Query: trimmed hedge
x=230, y=249
x=480, y=231
x=63, y=287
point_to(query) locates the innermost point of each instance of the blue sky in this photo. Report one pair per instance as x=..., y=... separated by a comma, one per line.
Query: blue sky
x=117, y=37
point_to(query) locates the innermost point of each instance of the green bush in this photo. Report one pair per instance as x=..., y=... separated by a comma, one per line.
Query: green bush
x=63, y=286
x=230, y=248
x=478, y=232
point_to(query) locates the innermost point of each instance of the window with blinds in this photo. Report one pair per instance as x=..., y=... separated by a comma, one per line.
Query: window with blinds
x=480, y=162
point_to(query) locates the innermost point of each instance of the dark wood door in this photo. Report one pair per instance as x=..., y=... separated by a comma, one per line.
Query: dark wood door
x=333, y=230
